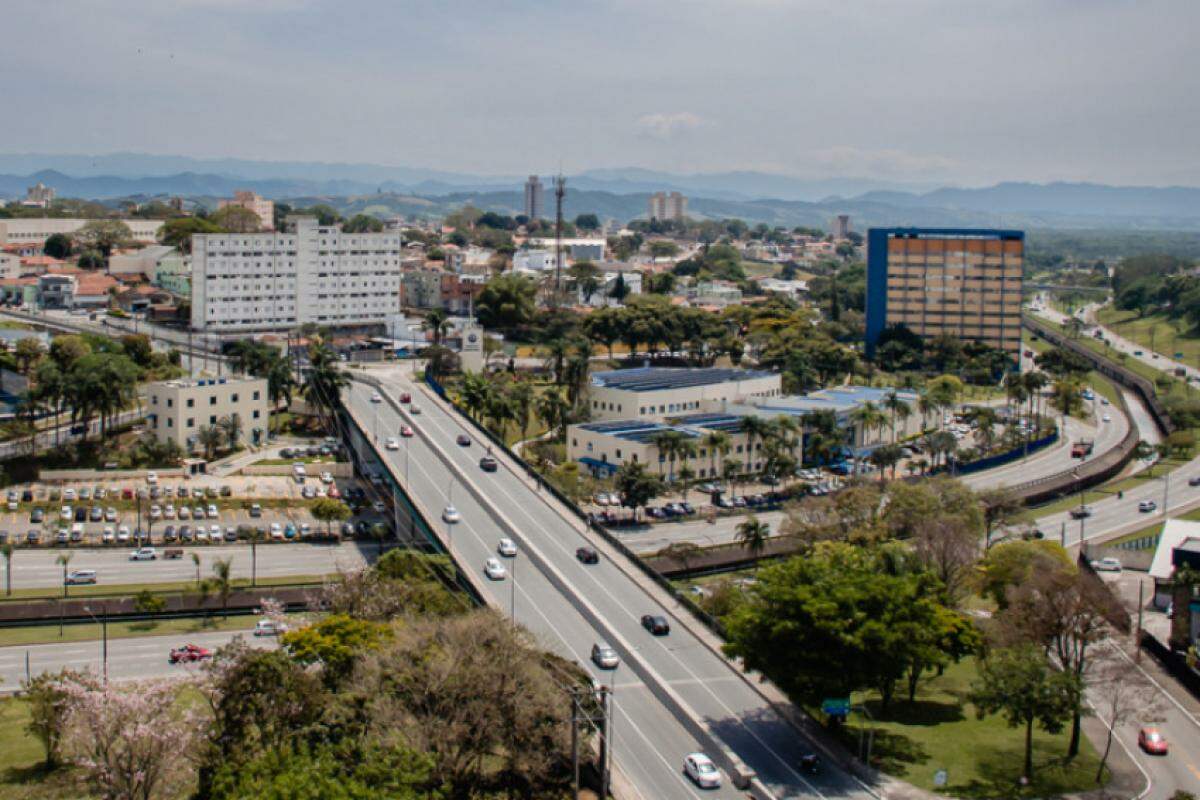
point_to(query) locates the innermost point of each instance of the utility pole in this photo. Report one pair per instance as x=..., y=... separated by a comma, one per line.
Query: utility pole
x=605, y=740
x=574, y=742
x=1137, y=644
x=560, y=191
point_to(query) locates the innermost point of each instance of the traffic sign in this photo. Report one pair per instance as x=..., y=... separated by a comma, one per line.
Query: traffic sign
x=836, y=706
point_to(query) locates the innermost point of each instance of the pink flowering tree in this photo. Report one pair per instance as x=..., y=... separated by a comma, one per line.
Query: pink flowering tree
x=131, y=742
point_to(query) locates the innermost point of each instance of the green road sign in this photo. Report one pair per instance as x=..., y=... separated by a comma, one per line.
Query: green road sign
x=836, y=706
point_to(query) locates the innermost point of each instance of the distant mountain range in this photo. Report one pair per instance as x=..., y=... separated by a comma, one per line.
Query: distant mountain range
x=619, y=194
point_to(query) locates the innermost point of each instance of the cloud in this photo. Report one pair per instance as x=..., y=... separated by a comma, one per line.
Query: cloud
x=665, y=126
x=885, y=162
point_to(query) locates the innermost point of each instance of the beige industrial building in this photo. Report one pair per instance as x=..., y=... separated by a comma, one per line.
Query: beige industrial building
x=654, y=393
x=37, y=230
x=177, y=410
x=602, y=447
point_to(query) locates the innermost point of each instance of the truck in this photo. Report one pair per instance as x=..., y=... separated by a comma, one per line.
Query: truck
x=1082, y=448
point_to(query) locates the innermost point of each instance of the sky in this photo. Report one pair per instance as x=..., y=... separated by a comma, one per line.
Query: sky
x=963, y=92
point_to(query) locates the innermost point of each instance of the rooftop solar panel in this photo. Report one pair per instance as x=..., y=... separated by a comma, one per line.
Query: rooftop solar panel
x=646, y=379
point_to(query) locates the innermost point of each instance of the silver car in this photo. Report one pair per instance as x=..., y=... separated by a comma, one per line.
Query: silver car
x=604, y=656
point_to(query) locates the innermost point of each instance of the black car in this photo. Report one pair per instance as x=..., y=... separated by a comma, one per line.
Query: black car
x=1080, y=512
x=27, y=496
x=463, y=440
x=488, y=464
x=587, y=555
x=656, y=624
x=37, y=515
x=80, y=514
x=1194, y=481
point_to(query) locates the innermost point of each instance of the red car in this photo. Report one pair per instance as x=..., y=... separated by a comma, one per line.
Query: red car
x=1152, y=741
x=406, y=432
x=127, y=493
x=189, y=652
x=405, y=397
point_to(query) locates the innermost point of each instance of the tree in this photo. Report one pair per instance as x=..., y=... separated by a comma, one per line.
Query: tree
x=436, y=322
x=554, y=411
x=236, y=219
x=1120, y=695
x=636, y=486
x=507, y=302
x=58, y=245
x=752, y=534
x=1011, y=564
x=334, y=643
x=231, y=429
x=147, y=602
x=64, y=559
x=210, y=438
x=898, y=409
x=178, y=232
x=683, y=552
x=139, y=348
x=329, y=511
x=222, y=581
x=325, y=381
x=128, y=742
x=363, y=223
x=1000, y=507
x=476, y=695
x=587, y=222
x=1019, y=683
x=856, y=607
x=67, y=349
x=48, y=707
x=28, y=352
x=103, y=235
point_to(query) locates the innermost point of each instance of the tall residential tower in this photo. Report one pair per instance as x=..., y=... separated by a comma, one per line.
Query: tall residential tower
x=535, y=198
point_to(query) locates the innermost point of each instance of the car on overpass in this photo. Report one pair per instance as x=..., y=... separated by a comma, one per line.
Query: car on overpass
x=1081, y=512
x=189, y=653
x=1146, y=506
x=488, y=464
x=656, y=624
x=702, y=771
x=392, y=443
x=494, y=569
x=604, y=656
x=450, y=514
x=463, y=440
x=1153, y=742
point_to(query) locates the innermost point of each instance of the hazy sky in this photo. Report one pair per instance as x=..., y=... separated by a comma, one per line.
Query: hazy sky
x=963, y=91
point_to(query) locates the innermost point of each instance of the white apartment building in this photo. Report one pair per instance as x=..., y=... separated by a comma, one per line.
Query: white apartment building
x=667, y=206
x=271, y=281
x=37, y=231
x=177, y=410
x=262, y=208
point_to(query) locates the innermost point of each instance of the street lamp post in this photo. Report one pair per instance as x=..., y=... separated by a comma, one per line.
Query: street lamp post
x=104, y=636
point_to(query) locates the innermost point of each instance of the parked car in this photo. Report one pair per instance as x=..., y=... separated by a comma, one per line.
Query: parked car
x=604, y=656
x=255, y=510
x=657, y=625
x=37, y=515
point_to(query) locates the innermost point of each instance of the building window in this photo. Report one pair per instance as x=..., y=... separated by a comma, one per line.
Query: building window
x=256, y=394
x=191, y=402
x=212, y=420
x=212, y=400
x=170, y=422
x=234, y=399
x=255, y=414
x=170, y=402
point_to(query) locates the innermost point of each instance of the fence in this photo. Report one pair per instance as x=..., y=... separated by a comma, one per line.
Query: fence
x=1006, y=457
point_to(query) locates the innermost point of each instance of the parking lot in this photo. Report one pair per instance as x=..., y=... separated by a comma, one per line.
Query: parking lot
x=200, y=511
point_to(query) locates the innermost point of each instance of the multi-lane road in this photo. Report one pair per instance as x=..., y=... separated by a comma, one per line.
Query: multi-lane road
x=650, y=742
x=128, y=659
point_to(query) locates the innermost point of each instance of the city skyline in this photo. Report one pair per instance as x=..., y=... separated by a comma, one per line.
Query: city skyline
x=1038, y=90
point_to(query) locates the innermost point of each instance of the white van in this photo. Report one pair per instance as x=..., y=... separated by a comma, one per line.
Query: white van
x=299, y=473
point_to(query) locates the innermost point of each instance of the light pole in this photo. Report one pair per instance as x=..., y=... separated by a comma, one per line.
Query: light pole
x=104, y=636
x=512, y=601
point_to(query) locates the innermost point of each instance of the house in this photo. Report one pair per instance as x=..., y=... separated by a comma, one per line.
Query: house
x=1178, y=545
x=139, y=298
x=93, y=290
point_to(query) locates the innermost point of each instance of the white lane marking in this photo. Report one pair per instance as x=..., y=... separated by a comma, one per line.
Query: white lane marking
x=736, y=716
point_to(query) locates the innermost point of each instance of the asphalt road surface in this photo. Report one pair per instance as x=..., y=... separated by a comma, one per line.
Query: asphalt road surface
x=131, y=658
x=652, y=538
x=37, y=568
x=649, y=742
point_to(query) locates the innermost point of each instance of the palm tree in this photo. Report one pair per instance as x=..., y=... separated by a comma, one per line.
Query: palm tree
x=898, y=408
x=667, y=444
x=754, y=427
x=6, y=550
x=520, y=398
x=730, y=470
x=715, y=442
x=752, y=534
x=210, y=438
x=280, y=381
x=926, y=406
x=473, y=390
x=222, y=570
x=64, y=559
x=686, y=476
x=196, y=561
x=553, y=410
x=557, y=352
x=867, y=417
x=231, y=427
x=436, y=322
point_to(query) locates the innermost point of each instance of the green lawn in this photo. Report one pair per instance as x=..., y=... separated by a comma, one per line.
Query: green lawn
x=982, y=757
x=21, y=773
x=1169, y=336
x=44, y=634
x=128, y=589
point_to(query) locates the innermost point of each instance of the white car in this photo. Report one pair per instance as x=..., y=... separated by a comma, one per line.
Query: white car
x=65, y=513
x=266, y=627
x=185, y=512
x=214, y=533
x=276, y=530
x=375, y=398
x=1107, y=418
x=109, y=536
x=68, y=494
x=123, y=534
x=507, y=548
x=151, y=478
x=494, y=569
x=143, y=554
x=212, y=511
x=169, y=511
x=155, y=512
x=1147, y=506
x=326, y=477
x=379, y=507
x=701, y=769
x=392, y=443
x=201, y=534
x=1109, y=564
x=450, y=514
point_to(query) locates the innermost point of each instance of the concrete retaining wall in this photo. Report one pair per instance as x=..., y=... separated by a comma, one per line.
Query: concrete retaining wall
x=342, y=469
x=51, y=475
